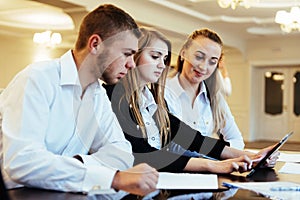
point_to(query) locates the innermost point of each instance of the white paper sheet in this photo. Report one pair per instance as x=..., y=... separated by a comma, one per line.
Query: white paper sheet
x=107, y=194
x=289, y=157
x=265, y=189
x=290, y=168
x=187, y=181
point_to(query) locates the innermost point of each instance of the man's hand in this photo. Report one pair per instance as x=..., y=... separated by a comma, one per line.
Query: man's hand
x=140, y=180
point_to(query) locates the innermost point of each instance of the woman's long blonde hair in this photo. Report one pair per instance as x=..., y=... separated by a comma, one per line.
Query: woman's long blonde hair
x=213, y=83
x=132, y=87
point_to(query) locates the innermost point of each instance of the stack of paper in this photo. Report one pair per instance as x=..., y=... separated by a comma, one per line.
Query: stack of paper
x=187, y=181
x=290, y=168
x=292, y=165
x=289, y=157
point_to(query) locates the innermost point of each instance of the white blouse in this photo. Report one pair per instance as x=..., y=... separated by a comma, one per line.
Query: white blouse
x=199, y=117
x=148, y=107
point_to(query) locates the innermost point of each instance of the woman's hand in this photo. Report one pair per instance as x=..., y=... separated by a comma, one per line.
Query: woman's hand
x=271, y=161
x=240, y=164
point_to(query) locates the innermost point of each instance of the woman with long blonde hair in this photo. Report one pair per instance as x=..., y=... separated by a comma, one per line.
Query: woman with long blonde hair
x=194, y=89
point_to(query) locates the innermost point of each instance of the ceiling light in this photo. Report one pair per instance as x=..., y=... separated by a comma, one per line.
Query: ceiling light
x=289, y=21
x=47, y=38
x=234, y=3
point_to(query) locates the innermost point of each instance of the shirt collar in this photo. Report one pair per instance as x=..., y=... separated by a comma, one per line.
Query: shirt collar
x=174, y=85
x=69, y=73
x=147, y=101
x=203, y=91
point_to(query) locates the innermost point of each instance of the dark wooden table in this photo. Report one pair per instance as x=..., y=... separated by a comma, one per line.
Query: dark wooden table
x=221, y=193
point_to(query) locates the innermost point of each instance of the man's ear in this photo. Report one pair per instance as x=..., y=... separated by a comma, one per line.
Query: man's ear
x=94, y=43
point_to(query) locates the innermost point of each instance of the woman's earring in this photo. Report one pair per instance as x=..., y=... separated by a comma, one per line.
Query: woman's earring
x=181, y=59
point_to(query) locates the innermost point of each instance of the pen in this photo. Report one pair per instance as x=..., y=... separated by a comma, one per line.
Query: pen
x=292, y=188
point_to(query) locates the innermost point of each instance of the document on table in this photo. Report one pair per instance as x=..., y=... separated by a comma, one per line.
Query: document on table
x=290, y=168
x=267, y=189
x=187, y=181
x=107, y=194
x=289, y=157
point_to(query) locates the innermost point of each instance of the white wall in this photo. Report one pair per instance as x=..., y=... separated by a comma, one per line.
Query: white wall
x=261, y=52
x=16, y=53
x=239, y=99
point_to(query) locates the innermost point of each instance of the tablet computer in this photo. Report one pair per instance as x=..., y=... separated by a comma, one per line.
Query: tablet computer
x=275, y=148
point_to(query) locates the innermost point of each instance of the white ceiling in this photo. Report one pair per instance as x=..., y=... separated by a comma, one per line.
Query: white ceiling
x=176, y=18
x=33, y=15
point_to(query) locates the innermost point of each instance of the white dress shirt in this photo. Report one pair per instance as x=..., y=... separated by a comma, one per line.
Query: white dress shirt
x=147, y=108
x=199, y=117
x=44, y=123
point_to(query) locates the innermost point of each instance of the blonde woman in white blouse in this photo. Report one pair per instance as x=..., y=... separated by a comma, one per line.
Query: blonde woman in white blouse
x=193, y=91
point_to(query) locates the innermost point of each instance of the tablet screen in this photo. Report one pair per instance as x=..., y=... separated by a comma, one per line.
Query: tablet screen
x=263, y=160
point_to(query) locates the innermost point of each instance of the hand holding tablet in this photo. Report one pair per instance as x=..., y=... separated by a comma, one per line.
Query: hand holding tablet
x=269, y=154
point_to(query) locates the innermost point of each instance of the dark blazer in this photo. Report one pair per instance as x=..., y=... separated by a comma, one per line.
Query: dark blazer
x=182, y=134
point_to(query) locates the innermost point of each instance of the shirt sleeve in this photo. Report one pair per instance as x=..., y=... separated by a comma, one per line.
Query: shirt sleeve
x=110, y=146
x=26, y=159
x=94, y=181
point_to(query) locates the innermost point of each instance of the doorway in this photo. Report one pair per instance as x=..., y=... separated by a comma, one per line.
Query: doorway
x=275, y=109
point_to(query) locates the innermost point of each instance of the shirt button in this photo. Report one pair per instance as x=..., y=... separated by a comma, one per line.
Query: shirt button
x=153, y=138
x=206, y=123
x=194, y=122
x=148, y=123
x=96, y=187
